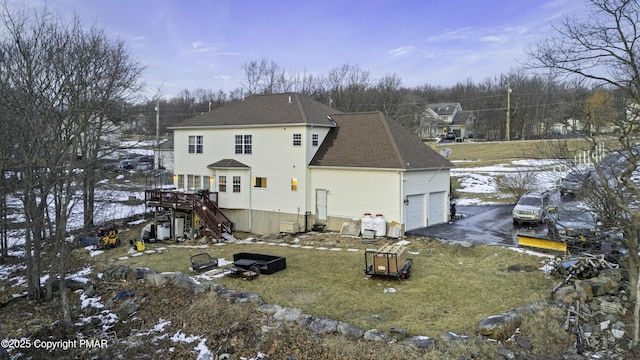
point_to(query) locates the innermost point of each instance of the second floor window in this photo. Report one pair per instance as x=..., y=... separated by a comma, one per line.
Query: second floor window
x=314, y=139
x=297, y=139
x=195, y=144
x=243, y=144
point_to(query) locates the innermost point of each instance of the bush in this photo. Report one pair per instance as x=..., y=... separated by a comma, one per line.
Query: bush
x=516, y=184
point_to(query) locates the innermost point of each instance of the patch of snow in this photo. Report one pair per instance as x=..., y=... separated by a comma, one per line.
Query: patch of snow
x=180, y=337
x=390, y=290
x=80, y=275
x=93, y=302
x=7, y=270
x=190, y=246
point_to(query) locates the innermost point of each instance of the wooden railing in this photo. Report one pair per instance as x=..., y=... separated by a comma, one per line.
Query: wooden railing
x=205, y=204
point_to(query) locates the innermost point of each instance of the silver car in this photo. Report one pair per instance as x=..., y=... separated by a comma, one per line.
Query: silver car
x=531, y=208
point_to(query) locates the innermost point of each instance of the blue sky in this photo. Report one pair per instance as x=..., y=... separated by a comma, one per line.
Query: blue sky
x=190, y=44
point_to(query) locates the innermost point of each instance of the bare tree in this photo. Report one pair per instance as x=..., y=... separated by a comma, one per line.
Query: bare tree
x=602, y=51
x=60, y=80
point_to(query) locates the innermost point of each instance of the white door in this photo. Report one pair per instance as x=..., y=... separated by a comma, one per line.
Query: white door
x=414, y=215
x=436, y=208
x=321, y=206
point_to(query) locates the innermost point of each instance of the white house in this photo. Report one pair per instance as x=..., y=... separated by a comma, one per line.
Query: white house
x=440, y=118
x=285, y=158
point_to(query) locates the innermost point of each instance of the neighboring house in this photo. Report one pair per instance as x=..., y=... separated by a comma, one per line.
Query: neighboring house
x=440, y=118
x=285, y=158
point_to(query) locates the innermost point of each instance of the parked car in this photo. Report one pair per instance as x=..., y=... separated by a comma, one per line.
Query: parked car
x=127, y=164
x=574, y=180
x=451, y=135
x=143, y=166
x=146, y=159
x=573, y=224
x=531, y=207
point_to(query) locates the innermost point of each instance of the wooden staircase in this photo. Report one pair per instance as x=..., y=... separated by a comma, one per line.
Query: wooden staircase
x=204, y=204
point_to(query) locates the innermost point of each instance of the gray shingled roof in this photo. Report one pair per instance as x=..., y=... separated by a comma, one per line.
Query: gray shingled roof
x=462, y=117
x=443, y=108
x=373, y=140
x=227, y=163
x=276, y=109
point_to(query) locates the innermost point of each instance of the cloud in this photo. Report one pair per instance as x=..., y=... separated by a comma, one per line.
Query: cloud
x=401, y=51
x=491, y=38
x=457, y=34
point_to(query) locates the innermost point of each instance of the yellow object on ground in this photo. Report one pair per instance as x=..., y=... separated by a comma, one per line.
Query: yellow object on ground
x=542, y=243
x=139, y=245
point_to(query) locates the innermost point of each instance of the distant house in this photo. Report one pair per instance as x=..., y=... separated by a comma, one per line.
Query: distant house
x=285, y=158
x=440, y=118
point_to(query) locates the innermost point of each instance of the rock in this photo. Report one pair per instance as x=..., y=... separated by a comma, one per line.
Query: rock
x=269, y=309
x=421, y=342
x=375, y=335
x=398, y=333
x=90, y=291
x=127, y=308
x=584, y=290
x=183, y=281
x=116, y=273
x=566, y=294
x=506, y=354
x=287, y=314
x=350, y=331
x=321, y=325
x=137, y=273
x=157, y=280
x=499, y=327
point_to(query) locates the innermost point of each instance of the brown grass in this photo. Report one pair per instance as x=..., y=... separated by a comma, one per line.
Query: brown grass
x=503, y=152
x=451, y=288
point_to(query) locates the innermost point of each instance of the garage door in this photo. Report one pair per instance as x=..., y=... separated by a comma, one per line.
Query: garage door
x=415, y=212
x=436, y=208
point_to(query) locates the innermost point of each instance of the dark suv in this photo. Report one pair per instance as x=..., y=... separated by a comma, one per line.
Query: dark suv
x=574, y=180
x=572, y=224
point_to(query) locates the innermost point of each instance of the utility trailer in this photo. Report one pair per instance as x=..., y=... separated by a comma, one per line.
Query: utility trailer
x=390, y=260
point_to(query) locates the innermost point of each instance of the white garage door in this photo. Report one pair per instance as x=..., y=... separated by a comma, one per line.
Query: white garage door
x=436, y=208
x=415, y=212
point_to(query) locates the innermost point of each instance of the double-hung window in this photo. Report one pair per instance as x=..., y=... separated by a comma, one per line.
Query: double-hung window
x=297, y=139
x=243, y=144
x=222, y=183
x=195, y=144
x=236, y=184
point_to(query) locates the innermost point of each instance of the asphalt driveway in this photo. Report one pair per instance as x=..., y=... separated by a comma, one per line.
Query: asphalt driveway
x=487, y=224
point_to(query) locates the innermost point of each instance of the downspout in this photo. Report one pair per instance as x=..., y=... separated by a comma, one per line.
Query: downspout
x=402, y=197
x=250, y=198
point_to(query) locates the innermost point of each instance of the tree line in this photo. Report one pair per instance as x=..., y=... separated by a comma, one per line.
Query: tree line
x=537, y=102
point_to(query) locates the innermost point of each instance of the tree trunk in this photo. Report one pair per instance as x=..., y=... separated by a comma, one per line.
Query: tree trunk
x=3, y=352
x=64, y=299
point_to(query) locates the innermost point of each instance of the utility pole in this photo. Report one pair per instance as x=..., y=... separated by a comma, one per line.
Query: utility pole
x=508, y=111
x=157, y=157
